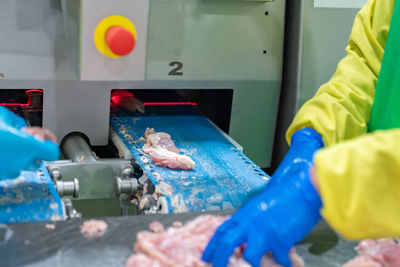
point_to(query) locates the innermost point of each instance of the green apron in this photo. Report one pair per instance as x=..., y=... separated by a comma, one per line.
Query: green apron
x=385, y=113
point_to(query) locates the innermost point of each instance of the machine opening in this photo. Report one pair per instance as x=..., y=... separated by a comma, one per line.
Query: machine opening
x=215, y=104
x=27, y=103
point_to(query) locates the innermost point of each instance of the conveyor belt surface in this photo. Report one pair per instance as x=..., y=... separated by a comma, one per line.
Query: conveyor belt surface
x=32, y=244
x=30, y=197
x=223, y=176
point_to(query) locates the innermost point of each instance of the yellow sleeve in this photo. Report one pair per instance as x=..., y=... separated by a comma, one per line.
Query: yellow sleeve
x=341, y=108
x=359, y=182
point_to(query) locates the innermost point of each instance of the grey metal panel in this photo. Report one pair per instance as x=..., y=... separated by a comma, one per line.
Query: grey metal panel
x=71, y=15
x=325, y=35
x=315, y=42
x=28, y=31
x=290, y=91
x=216, y=40
x=94, y=65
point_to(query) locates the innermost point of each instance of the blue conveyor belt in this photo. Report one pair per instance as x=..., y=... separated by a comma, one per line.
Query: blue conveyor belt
x=223, y=176
x=30, y=197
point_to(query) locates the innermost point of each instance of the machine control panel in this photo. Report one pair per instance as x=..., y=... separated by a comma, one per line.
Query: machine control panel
x=110, y=36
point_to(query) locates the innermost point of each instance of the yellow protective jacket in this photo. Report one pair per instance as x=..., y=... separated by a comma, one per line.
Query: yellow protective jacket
x=358, y=172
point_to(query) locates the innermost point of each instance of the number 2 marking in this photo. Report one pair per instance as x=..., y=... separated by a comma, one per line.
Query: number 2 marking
x=176, y=71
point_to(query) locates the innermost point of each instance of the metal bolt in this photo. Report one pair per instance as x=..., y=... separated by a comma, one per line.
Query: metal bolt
x=68, y=188
x=126, y=186
x=127, y=172
x=71, y=212
x=55, y=173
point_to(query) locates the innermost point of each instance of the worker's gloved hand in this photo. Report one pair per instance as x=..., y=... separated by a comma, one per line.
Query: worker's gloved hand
x=20, y=150
x=274, y=220
x=303, y=144
x=11, y=119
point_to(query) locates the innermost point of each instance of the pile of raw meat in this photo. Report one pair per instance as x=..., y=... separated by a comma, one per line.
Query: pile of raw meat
x=183, y=246
x=379, y=253
x=163, y=152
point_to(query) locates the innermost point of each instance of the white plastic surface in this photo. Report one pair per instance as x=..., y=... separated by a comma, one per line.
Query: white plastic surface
x=340, y=3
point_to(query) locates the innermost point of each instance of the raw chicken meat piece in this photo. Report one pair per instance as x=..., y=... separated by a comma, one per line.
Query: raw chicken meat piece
x=379, y=253
x=177, y=224
x=165, y=158
x=156, y=227
x=163, y=152
x=183, y=246
x=156, y=140
x=93, y=228
x=141, y=260
x=50, y=226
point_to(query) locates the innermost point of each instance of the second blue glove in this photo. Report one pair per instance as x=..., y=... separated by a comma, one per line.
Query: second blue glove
x=303, y=144
x=274, y=220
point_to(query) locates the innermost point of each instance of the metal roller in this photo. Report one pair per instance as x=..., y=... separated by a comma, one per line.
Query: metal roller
x=77, y=149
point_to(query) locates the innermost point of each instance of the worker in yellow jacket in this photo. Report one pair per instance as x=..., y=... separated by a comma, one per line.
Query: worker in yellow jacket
x=344, y=156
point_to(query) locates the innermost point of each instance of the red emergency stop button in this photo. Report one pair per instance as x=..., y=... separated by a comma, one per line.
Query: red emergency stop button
x=115, y=36
x=120, y=40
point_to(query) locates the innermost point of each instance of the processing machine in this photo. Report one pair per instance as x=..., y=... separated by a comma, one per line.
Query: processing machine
x=208, y=73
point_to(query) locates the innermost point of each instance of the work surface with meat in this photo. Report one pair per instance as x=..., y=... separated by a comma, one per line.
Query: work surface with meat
x=64, y=245
x=184, y=245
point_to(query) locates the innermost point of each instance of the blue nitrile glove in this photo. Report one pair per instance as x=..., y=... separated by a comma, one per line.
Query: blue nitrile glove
x=11, y=119
x=274, y=220
x=303, y=144
x=20, y=150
